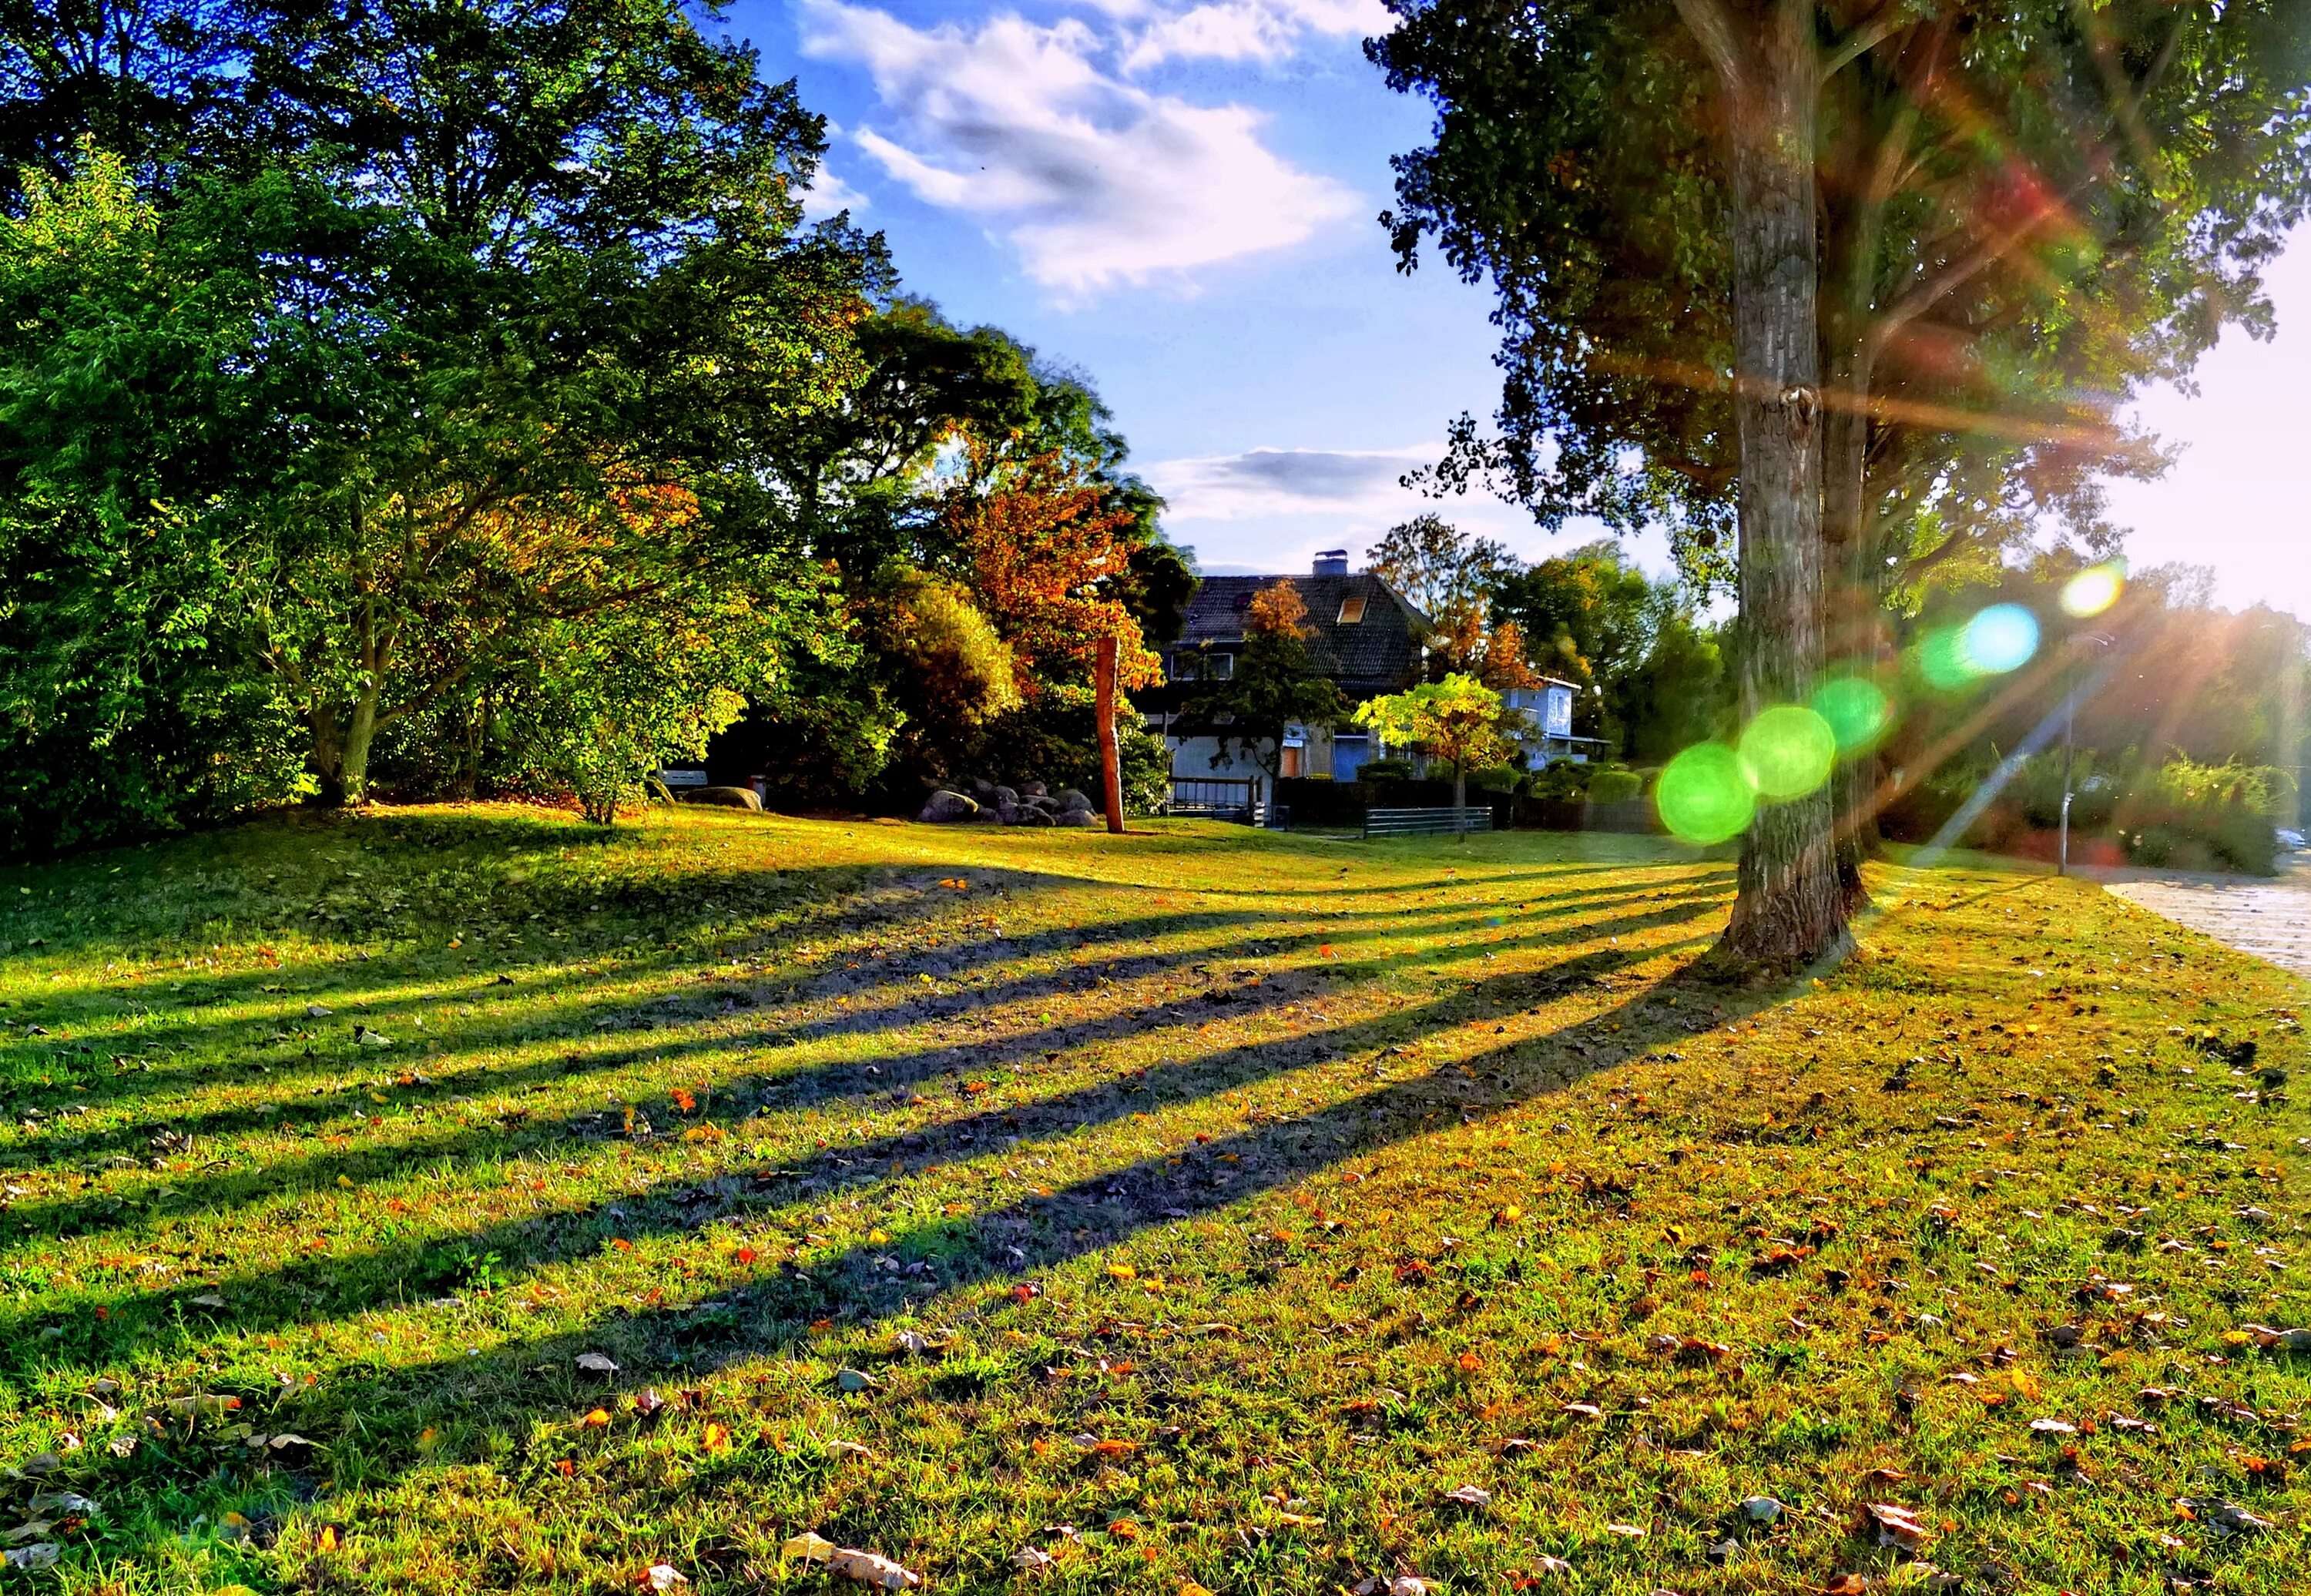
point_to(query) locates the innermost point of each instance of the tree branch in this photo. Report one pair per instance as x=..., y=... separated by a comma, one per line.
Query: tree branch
x=1870, y=37
x=1713, y=30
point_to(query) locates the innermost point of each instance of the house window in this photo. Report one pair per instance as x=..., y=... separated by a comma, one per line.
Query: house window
x=1220, y=667
x=1352, y=610
x=1185, y=665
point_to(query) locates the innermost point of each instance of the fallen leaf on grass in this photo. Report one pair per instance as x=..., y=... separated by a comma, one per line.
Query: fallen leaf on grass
x=1633, y=1531
x=599, y=1419
x=1846, y=1584
x=1548, y=1564
x=595, y=1363
x=1468, y=1496
x=31, y=1559
x=809, y=1546
x=1898, y=1526
x=2269, y=1339
x=2053, y=1426
x=1762, y=1510
x=664, y=1577
x=1687, y=1349
x=1030, y=1560
x=854, y=1380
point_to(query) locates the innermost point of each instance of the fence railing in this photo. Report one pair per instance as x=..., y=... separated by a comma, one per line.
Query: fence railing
x=1413, y=823
x=1218, y=797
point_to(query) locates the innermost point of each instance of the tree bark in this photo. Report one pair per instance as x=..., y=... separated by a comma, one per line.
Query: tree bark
x=1110, y=761
x=1788, y=910
x=341, y=747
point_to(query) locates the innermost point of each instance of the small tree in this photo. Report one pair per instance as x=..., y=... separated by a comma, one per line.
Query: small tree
x=1275, y=683
x=1459, y=719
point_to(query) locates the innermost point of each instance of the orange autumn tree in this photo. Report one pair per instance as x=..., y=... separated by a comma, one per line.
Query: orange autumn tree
x=1040, y=546
x=1468, y=642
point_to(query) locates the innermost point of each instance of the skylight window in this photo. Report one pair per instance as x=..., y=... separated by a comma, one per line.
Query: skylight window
x=1352, y=610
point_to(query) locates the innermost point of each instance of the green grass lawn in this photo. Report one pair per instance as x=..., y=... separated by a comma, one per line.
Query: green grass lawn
x=445, y=1200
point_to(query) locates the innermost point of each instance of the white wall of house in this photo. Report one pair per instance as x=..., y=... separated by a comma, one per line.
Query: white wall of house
x=1191, y=757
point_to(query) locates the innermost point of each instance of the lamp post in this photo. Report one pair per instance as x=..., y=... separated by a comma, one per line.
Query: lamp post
x=2079, y=643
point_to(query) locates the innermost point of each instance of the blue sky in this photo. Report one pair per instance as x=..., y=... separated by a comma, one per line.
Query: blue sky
x=1179, y=197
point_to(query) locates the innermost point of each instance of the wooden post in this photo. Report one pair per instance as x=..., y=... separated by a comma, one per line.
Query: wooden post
x=1110, y=769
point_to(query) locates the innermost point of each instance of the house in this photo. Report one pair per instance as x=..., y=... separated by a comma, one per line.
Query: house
x=1369, y=640
x=1549, y=709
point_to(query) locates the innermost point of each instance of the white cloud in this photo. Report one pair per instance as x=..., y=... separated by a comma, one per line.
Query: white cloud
x=1248, y=30
x=1271, y=482
x=1094, y=181
x=829, y=194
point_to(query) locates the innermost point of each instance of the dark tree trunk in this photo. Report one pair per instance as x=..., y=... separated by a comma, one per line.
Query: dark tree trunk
x=1788, y=910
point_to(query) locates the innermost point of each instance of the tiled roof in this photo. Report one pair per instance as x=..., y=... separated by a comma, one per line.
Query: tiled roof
x=1380, y=651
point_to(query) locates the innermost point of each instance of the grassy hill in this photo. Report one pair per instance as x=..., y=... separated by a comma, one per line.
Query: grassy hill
x=443, y=1201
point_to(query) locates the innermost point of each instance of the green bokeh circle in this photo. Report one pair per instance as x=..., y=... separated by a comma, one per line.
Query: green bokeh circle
x=1789, y=750
x=1857, y=709
x=1943, y=659
x=1704, y=796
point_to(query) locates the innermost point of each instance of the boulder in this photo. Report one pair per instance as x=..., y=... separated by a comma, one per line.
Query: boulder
x=1069, y=799
x=983, y=790
x=1049, y=805
x=1034, y=789
x=1004, y=795
x=724, y=797
x=942, y=808
x=1083, y=818
x=1025, y=814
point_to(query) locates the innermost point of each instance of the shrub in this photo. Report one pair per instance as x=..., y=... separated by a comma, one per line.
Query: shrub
x=1497, y=778
x=2202, y=816
x=1562, y=781
x=1615, y=786
x=1386, y=770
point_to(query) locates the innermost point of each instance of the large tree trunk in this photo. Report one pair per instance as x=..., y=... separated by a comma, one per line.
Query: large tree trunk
x=1788, y=910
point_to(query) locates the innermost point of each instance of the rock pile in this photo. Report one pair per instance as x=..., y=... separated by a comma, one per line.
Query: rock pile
x=1028, y=804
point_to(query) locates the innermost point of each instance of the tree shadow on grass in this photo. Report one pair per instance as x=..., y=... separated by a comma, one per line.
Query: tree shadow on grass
x=764, y=1312
x=574, y=1044
x=810, y=1086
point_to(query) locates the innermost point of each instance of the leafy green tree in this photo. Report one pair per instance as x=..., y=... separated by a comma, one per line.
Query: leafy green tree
x=131, y=487
x=1890, y=271
x=1459, y=721
x=1436, y=565
x=950, y=675
x=148, y=80
x=1274, y=684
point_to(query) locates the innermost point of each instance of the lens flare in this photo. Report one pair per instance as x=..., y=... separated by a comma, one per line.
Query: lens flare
x=1704, y=794
x=1857, y=709
x=1942, y=659
x=2001, y=639
x=1788, y=750
x=2094, y=589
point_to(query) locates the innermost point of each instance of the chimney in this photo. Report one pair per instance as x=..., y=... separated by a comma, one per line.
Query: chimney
x=1332, y=563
